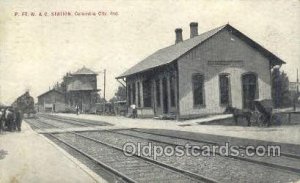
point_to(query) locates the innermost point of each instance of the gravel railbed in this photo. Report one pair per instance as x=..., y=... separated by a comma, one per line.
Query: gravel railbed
x=78, y=120
x=61, y=124
x=58, y=124
x=288, y=148
x=85, y=160
x=217, y=167
x=35, y=125
x=76, y=123
x=282, y=160
x=136, y=168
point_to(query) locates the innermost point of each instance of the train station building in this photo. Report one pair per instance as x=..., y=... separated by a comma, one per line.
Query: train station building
x=201, y=75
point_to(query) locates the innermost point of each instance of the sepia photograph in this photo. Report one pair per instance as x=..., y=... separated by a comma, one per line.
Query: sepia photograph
x=111, y=91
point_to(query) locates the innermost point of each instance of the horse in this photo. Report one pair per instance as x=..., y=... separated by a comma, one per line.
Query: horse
x=243, y=113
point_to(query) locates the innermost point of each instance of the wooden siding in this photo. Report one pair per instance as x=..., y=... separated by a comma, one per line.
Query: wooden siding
x=53, y=99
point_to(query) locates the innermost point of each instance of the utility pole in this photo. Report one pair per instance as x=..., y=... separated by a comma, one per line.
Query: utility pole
x=0, y=94
x=297, y=84
x=297, y=91
x=104, y=83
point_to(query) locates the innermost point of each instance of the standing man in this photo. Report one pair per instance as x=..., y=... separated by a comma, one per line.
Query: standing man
x=134, y=111
x=19, y=118
x=77, y=109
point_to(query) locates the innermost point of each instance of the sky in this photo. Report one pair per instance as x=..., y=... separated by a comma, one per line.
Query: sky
x=36, y=51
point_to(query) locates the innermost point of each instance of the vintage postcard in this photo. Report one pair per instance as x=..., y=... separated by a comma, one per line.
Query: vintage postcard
x=149, y=91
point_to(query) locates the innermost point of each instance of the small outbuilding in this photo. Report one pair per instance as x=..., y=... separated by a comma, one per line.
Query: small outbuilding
x=51, y=101
x=201, y=75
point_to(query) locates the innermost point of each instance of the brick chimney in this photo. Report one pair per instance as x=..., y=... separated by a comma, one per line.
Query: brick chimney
x=178, y=33
x=194, y=29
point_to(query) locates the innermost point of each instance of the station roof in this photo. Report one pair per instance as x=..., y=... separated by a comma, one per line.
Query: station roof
x=50, y=91
x=84, y=71
x=169, y=54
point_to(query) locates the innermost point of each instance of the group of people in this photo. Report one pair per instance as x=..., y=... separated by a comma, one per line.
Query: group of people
x=10, y=119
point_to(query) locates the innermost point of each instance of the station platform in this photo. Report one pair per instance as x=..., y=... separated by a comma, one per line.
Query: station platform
x=27, y=156
x=280, y=134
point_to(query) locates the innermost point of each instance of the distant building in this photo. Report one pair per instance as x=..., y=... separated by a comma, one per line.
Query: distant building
x=81, y=89
x=76, y=89
x=51, y=101
x=201, y=75
x=294, y=86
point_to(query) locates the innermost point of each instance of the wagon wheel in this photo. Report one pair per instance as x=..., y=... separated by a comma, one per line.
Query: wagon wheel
x=261, y=120
x=256, y=118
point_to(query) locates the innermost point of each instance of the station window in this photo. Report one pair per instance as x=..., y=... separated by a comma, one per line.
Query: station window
x=224, y=82
x=250, y=90
x=198, y=89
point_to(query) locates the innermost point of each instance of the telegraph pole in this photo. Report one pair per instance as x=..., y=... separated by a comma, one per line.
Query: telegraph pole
x=297, y=84
x=0, y=94
x=297, y=92
x=104, y=83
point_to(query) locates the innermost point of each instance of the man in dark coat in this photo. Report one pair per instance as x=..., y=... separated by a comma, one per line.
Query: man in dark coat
x=19, y=118
x=10, y=119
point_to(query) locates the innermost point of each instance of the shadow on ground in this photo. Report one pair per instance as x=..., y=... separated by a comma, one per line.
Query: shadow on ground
x=3, y=153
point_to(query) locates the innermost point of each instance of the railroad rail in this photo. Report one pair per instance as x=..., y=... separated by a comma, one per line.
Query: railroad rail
x=164, y=171
x=208, y=142
x=186, y=173
x=73, y=120
x=247, y=159
x=120, y=177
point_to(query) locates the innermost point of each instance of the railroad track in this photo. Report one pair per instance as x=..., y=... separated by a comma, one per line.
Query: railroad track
x=76, y=121
x=114, y=175
x=129, y=169
x=155, y=139
x=35, y=125
x=75, y=124
x=174, y=142
x=253, y=172
x=208, y=142
x=191, y=173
